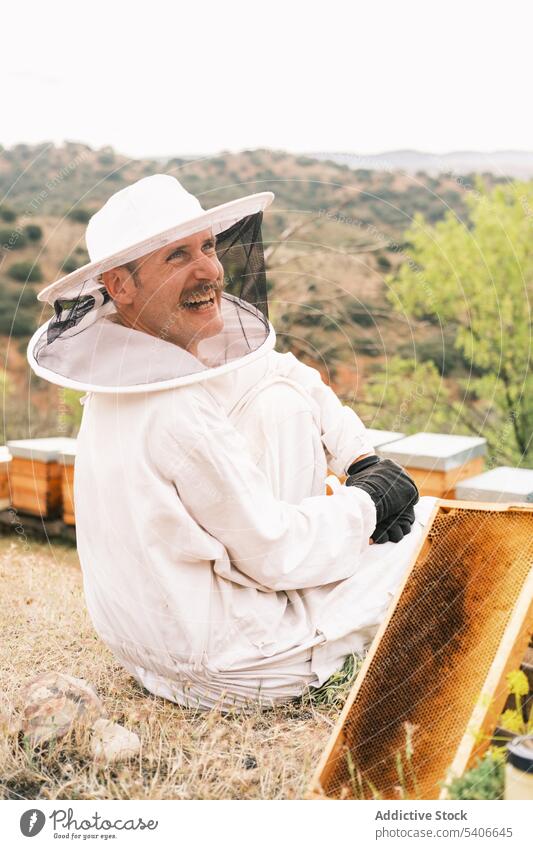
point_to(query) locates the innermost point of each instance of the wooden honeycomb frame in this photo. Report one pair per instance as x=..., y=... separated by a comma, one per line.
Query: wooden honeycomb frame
x=459, y=622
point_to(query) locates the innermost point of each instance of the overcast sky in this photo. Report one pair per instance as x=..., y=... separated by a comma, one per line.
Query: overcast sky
x=156, y=78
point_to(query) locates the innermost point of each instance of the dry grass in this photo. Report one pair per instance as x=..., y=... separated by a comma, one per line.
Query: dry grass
x=185, y=754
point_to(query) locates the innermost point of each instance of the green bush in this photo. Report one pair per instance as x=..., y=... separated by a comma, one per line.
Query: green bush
x=383, y=262
x=25, y=297
x=358, y=314
x=81, y=214
x=12, y=240
x=70, y=264
x=484, y=781
x=21, y=323
x=25, y=272
x=17, y=310
x=440, y=349
x=33, y=232
x=7, y=214
x=13, y=297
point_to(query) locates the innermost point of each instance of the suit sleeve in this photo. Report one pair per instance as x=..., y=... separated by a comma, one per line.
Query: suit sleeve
x=344, y=435
x=281, y=546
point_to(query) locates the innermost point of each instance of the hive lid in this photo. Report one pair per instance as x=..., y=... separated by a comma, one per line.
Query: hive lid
x=501, y=484
x=434, y=451
x=48, y=449
x=381, y=437
x=5, y=456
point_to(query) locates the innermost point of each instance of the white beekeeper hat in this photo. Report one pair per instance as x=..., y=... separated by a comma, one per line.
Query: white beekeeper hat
x=80, y=348
x=149, y=214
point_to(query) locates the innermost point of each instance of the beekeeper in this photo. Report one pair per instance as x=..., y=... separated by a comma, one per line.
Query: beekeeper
x=215, y=567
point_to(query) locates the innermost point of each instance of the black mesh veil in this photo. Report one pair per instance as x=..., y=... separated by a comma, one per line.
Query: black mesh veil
x=83, y=343
x=240, y=250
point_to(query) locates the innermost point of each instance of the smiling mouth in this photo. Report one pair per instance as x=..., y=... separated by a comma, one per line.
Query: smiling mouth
x=201, y=302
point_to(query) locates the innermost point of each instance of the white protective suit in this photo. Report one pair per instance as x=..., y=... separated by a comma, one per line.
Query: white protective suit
x=215, y=567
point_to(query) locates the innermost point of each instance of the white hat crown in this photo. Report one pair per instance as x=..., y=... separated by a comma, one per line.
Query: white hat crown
x=138, y=212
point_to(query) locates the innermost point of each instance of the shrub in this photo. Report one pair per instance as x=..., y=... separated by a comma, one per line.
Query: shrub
x=25, y=272
x=484, y=781
x=24, y=297
x=81, y=214
x=361, y=316
x=12, y=240
x=219, y=163
x=107, y=157
x=383, y=262
x=70, y=264
x=7, y=214
x=33, y=232
x=17, y=323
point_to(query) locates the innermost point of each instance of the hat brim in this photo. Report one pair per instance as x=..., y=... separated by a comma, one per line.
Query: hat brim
x=218, y=218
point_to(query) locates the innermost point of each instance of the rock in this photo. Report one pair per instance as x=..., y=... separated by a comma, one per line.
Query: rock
x=112, y=742
x=53, y=702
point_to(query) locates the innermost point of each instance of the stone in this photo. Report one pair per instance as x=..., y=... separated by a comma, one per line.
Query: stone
x=112, y=742
x=53, y=702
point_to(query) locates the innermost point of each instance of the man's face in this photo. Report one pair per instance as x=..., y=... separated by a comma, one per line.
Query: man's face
x=174, y=292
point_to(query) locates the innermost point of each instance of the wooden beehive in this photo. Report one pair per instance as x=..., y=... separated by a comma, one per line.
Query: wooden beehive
x=68, y=458
x=5, y=463
x=459, y=622
x=504, y=484
x=35, y=475
x=437, y=461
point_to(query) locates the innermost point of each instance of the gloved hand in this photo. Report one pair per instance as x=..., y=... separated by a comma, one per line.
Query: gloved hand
x=393, y=492
x=395, y=528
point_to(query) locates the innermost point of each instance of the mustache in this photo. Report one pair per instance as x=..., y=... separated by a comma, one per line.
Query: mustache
x=203, y=288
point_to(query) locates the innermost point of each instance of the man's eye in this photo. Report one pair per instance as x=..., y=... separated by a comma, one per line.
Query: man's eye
x=209, y=246
x=175, y=254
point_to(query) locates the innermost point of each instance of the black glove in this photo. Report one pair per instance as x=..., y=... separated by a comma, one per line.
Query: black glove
x=395, y=528
x=391, y=489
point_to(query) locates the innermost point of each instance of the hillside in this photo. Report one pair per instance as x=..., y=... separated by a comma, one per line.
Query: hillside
x=331, y=236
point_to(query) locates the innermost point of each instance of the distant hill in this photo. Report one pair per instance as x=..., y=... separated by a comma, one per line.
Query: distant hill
x=332, y=236
x=508, y=163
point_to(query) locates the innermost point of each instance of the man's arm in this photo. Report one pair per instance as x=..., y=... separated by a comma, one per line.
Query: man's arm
x=344, y=436
x=282, y=546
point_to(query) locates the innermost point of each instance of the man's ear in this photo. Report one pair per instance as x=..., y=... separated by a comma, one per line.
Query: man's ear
x=120, y=284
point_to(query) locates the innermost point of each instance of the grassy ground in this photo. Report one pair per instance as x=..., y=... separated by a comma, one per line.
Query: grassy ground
x=185, y=754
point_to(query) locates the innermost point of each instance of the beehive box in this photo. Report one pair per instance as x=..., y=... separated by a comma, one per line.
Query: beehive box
x=459, y=622
x=5, y=462
x=438, y=461
x=67, y=459
x=36, y=475
x=504, y=484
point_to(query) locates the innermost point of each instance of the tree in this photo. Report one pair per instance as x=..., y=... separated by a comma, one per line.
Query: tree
x=33, y=232
x=476, y=278
x=406, y=396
